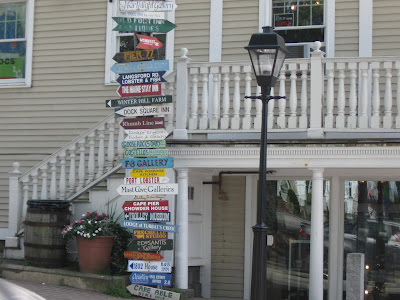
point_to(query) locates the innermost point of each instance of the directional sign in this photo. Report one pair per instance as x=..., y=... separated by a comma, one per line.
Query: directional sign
x=142, y=255
x=128, y=5
x=149, y=226
x=144, y=189
x=149, y=266
x=137, y=111
x=146, y=134
x=151, y=245
x=148, y=216
x=144, y=144
x=149, y=235
x=143, y=123
x=145, y=153
x=145, y=180
x=143, y=14
x=147, y=173
x=148, y=42
x=145, y=206
x=143, y=25
x=151, y=279
x=141, y=66
x=141, y=78
x=147, y=197
x=137, y=55
x=139, y=90
x=124, y=102
x=152, y=293
x=148, y=163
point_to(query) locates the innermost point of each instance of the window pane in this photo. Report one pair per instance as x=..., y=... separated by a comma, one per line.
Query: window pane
x=302, y=35
x=12, y=60
x=12, y=20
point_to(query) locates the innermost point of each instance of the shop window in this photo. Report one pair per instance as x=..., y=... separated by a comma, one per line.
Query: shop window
x=16, y=25
x=300, y=23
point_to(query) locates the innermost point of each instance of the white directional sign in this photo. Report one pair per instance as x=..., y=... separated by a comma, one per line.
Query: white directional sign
x=143, y=14
x=146, y=134
x=152, y=293
x=162, y=109
x=145, y=180
x=149, y=266
x=144, y=189
x=129, y=5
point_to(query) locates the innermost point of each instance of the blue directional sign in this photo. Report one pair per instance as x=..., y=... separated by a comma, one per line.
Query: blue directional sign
x=141, y=66
x=141, y=78
x=148, y=163
x=149, y=226
x=151, y=279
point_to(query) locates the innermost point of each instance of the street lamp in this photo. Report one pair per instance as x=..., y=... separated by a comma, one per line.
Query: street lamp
x=267, y=52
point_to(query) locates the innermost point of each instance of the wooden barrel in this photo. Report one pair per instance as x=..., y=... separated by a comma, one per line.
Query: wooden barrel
x=43, y=242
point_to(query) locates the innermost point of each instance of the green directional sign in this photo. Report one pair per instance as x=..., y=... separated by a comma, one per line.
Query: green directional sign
x=143, y=25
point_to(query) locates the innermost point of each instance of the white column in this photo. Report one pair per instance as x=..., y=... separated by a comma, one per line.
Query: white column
x=316, y=288
x=336, y=232
x=14, y=206
x=365, y=28
x=181, y=238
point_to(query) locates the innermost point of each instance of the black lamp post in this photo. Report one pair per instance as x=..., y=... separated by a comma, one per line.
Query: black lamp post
x=267, y=53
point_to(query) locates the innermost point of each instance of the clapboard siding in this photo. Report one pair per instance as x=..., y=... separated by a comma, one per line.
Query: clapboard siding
x=240, y=21
x=227, y=242
x=386, y=30
x=346, y=28
x=193, y=28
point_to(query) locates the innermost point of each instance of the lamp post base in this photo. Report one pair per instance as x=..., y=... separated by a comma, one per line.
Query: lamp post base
x=259, y=266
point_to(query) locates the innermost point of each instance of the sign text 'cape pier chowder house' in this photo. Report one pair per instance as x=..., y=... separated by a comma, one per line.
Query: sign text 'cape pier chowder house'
x=145, y=156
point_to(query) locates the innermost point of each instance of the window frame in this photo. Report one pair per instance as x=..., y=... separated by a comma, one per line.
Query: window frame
x=27, y=81
x=112, y=43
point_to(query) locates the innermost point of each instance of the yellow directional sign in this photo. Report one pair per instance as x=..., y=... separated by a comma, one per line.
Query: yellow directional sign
x=147, y=172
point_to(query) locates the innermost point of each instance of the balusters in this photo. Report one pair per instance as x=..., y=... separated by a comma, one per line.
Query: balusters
x=43, y=191
x=203, y=123
x=110, y=146
x=82, y=167
x=215, y=98
x=376, y=102
x=53, y=179
x=34, y=176
x=193, y=121
x=281, y=120
x=25, y=192
x=91, y=158
x=100, y=154
x=271, y=105
x=62, y=183
x=258, y=105
x=225, y=98
x=397, y=66
x=72, y=170
x=170, y=118
x=340, y=119
x=246, y=122
x=292, y=122
x=363, y=117
x=352, y=119
x=330, y=69
x=303, y=120
x=388, y=118
x=235, y=121
x=120, y=149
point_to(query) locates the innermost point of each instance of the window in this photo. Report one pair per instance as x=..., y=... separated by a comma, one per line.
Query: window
x=299, y=23
x=127, y=41
x=16, y=28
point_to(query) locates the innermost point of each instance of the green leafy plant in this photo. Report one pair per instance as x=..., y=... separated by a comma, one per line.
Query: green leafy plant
x=61, y=282
x=118, y=290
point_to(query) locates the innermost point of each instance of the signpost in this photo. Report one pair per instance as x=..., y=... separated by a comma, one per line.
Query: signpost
x=151, y=279
x=138, y=55
x=145, y=180
x=146, y=134
x=148, y=42
x=139, y=90
x=148, y=163
x=143, y=25
x=152, y=293
x=141, y=78
x=145, y=206
x=148, y=216
x=129, y=5
x=149, y=266
x=149, y=235
x=142, y=255
x=143, y=123
x=151, y=245
x=137, y=111
x=149, y=226
x=147, y=173
x=141, y=66
x=144, y=144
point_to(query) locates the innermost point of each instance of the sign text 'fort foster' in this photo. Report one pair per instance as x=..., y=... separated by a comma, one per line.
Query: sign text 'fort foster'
x=145, y=180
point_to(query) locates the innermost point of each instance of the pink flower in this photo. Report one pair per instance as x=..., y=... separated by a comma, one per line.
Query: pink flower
x=88, y=214
x=80, y=221
x=104, y=215
x=96, y=218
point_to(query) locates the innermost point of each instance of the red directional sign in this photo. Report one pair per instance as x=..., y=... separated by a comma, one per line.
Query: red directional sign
x=143, y=123
x=146, y=206
x=148, y=42
x=142, y=255
x=139, y=90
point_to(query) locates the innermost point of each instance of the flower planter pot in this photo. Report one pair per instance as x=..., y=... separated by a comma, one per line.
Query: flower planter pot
x=94, y=255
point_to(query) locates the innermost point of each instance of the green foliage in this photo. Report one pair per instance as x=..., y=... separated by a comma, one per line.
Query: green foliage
x=122, y=238
x=118, y=290
x=61, y=282
x=292, y=199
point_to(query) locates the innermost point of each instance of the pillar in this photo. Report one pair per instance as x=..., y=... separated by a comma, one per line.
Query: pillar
x=181, y=238
x=14, y=207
